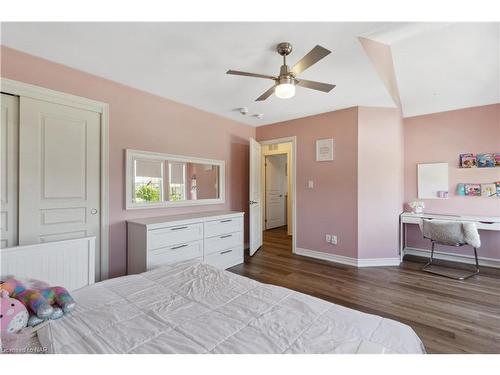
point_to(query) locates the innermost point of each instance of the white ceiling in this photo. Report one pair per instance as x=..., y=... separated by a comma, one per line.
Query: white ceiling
x=456, y=66
x=186, y=62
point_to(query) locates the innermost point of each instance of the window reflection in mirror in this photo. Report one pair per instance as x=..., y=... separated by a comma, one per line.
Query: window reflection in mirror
x=190, y=181
x=176, y=181
x=148, y=181
x=164, y=180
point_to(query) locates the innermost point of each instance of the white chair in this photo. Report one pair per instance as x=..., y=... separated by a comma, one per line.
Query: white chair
x=450, y=233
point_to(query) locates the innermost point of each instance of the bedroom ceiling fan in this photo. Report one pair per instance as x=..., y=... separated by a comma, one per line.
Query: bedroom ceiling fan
x=285, y=82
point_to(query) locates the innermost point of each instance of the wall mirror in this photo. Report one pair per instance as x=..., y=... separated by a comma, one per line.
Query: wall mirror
x=164, y=180
x=432, y=180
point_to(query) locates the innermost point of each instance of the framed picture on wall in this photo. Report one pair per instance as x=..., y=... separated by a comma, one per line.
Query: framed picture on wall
x=324, y=149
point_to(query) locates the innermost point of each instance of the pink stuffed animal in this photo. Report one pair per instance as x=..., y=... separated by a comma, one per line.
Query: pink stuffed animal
x=13, y=314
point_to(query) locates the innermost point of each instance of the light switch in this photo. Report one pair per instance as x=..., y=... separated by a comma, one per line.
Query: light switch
x=310, y=184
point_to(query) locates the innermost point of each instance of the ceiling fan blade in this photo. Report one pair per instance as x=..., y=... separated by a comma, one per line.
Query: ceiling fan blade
x=238, y=73
x=314, y=55
x=320, y=86
x=266, y=95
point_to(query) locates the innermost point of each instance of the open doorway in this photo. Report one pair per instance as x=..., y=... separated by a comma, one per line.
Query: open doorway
x=273, y=207
x=278, y=195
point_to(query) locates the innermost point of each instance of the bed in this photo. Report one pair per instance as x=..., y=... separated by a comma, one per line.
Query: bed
x=192, y=307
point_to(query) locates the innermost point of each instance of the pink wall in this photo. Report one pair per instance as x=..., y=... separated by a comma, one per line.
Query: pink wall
x=441, y=137
x=362, y=186
x=143, y=121
x=380, y=181
x=331, y=206
x=381, y=163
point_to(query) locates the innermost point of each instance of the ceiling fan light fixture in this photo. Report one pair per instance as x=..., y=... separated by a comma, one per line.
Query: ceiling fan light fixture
x=285, y=89
x=285, y=82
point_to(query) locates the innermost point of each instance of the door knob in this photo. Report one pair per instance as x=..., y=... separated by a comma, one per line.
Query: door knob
x=93, y=211
x=253, y=202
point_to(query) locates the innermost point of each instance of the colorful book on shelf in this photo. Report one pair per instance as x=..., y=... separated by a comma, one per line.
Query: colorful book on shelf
x=473, y=190
x=467, y=160
x=497, y=159
x=461, y=189
x=488, y=190
x=498, y=188
x=485, y=160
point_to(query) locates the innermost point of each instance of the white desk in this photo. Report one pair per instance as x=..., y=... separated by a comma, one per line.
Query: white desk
x=482, y=223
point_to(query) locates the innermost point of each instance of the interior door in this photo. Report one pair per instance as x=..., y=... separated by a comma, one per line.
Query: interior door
x=8, y=170
x=254, y=193
x=276, y=186
x=59, y=173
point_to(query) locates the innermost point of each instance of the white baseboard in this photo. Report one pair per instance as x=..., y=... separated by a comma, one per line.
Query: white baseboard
x=370, y=262
x=379, y=262
x=460, y=258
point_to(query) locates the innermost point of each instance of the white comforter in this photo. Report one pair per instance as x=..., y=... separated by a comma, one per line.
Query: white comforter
x=195, y=308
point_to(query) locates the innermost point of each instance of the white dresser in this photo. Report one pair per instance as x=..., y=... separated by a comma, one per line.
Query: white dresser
x=213, y=237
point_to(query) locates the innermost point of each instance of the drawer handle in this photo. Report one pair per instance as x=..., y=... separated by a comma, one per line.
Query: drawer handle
x=226, y=221
x=226, y=236
x=178, y=247
x=486, y=222
x=225, y=252
x=177, y=228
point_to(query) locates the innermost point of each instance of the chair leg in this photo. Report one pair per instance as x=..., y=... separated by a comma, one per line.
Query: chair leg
x=477, y=262
x=429, y=263
x=463, y=277
x=476, y=271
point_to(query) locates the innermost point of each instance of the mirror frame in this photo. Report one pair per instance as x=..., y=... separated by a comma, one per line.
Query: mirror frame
x=129, y=179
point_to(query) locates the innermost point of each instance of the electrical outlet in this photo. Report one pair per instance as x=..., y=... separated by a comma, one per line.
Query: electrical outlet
x=328, y=238
x=333, y=239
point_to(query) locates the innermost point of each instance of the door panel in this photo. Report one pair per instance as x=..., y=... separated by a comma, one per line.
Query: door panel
x=63, y=152
x=9, y=170
x=255, y=204
x=59, y=173
x=276, y=187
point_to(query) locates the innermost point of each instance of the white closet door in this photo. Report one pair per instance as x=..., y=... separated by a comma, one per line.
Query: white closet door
x=59, y=168
x=276, y=185
x=8, y=170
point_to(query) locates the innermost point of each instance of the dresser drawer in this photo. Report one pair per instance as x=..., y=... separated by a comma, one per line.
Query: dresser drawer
x=225, y=258
x=163, y=237
x=175, y=253
x=223, y=242
x=223, y=226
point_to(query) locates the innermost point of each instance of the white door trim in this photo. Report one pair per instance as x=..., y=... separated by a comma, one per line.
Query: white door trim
x=41, y=93
x=293, y=140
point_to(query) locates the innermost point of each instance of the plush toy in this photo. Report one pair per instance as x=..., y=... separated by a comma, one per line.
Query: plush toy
x=13, y=314
x=40, y=300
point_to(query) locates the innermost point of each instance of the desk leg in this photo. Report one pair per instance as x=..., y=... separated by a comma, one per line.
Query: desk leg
x=402, y=239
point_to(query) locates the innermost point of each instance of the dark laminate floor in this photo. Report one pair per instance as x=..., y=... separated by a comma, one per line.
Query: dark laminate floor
x=449, y=316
